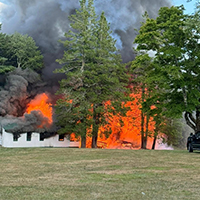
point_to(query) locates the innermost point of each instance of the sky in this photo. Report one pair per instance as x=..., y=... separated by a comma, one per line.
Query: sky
x=189, y=6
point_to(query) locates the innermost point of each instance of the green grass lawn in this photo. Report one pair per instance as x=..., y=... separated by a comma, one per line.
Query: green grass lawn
x=84, y=174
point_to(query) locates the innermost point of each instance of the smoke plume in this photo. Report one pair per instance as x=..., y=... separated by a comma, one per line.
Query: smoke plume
x=47, y=21
x=21, y=86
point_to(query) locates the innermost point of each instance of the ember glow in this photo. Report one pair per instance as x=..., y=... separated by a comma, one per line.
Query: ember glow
x=41, y=104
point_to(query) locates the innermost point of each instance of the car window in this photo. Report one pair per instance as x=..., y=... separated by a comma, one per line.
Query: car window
x=198, y=134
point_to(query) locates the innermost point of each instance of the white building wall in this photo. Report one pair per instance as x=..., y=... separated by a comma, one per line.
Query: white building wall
x=7, y=141
x=0, y=138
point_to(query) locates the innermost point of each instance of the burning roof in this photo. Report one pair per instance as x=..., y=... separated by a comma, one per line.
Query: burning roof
x=22, y=107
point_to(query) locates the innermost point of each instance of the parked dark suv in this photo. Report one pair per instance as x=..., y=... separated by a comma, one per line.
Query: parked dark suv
x=193, y=142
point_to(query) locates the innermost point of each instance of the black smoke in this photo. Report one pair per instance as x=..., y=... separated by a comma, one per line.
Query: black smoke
x=21, y=86
x=47, y=21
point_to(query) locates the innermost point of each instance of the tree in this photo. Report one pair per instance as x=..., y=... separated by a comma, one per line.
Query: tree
x=4, y=66
x=93, y=69
x=108, y=75
x=141, y=67
x=24, y=53
x=19, y=51
x=73, y=118
x=176, y=63
x=79, y=45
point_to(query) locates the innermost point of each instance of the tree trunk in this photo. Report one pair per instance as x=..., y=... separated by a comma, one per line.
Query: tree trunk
x=147, y=130
x=190, y=120
x=83, y=142
x=193, y=122
x=143, y=141
x=197, y=120
x=95, y=128
x=142, y=131
x=94, y=141
x=154, y=141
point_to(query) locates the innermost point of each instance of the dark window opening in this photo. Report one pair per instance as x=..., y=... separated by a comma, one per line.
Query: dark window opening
x=28, y=136
x=61, y=137
x=41, y=136
x=15, y=137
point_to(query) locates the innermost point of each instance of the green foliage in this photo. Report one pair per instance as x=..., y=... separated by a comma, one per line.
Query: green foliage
x=19, y=51
x=92, y=65
x=74, y=119
x=4, y=66
x=173, y=130
x=24, y=53
x=175, y=73
x=141, y=68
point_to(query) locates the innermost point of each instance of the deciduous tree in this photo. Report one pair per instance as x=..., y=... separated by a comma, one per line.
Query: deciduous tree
x=19, y=50
x=4, y=65
x=23, y=52
x=176, y=63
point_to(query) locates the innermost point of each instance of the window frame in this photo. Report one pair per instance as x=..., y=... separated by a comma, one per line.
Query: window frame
x=61, y=138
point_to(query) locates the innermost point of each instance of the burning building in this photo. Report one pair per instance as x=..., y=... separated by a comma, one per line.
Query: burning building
x=22, y=105
x=27, y=113
x=33, y=139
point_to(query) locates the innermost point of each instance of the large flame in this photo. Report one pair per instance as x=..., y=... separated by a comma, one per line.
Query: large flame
x=126, y=130
x=41, y=104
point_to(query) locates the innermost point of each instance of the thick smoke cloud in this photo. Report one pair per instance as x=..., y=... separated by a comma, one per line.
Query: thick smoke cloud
x=47, y=21
x=20, y=87
x=28, y=123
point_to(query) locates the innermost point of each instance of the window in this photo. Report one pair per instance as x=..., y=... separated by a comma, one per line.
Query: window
x=28, y=136
x=41, y=136
x=61, y=137
x=15, y=137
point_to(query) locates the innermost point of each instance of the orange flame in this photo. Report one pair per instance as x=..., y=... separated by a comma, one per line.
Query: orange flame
x=125, y=135
x=125, y=130
x=40, y=103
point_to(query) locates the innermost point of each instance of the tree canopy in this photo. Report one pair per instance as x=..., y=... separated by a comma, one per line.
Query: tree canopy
x=19, y=50
x=4, y=65
x=176, y=71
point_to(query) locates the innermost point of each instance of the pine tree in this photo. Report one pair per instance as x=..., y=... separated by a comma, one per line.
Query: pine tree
x=79, y=45
x=108, y=75
x=93, y=69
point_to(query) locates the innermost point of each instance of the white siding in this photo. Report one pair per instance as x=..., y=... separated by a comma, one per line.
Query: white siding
x=0, y=138
x=7, y=141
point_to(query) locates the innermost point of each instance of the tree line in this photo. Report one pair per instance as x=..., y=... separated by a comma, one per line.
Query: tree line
x=165, y=71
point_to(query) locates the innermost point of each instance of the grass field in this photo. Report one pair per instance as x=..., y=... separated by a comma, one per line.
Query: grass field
x=84, y=174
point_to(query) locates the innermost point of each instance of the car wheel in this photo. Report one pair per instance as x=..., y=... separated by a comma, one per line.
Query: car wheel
x=190, y=148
